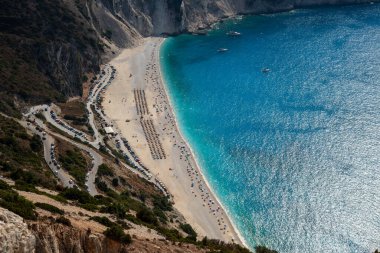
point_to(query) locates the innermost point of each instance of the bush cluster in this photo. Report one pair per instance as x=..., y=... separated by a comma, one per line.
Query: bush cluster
x=104, y=170
x=11, y=200
x=117, y=233
x=49, y=208
x=63, y=220
x=75, y=163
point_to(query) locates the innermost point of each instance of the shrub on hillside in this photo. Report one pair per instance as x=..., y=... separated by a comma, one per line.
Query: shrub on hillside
x=115, y=208
x=11, y=200
x=117, y=233
x=147, y=216
x=103, y=220
x=63, y=221
x=49, y=208
x=189, y=230
x=4, y=185
x=36, y=143
x=78, y=195
x=263, y=249
x=104, y=170
x=162, y=203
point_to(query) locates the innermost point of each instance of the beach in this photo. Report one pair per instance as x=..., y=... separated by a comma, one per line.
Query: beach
x=138, y=105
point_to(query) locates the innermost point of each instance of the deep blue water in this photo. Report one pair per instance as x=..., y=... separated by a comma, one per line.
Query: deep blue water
x=293, y=154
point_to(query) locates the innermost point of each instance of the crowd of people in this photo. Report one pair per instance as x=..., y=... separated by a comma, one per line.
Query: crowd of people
x=169, y=128
x=130, y=156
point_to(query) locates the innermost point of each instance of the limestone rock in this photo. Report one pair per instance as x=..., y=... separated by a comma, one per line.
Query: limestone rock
x=15, y=236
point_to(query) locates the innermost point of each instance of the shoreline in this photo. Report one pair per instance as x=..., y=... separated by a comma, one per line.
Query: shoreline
x=139, y=70
x=199, y=168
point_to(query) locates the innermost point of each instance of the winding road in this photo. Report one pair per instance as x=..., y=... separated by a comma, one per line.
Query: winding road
x=48, y=136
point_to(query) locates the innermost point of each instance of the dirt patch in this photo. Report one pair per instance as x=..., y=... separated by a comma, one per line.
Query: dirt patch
x=74, y=107
x=74, y=112
x=87, y=85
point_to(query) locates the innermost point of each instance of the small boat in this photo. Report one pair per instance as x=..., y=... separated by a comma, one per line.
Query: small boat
x=233, y=33
x=265, y=70
x=222, y=50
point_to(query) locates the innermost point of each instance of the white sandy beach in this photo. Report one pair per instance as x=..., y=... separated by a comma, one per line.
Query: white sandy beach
x=138, y=68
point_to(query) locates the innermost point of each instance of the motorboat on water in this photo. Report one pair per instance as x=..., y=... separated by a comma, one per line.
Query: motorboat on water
x=233, y=33
x=222, y=50
x=265, y=70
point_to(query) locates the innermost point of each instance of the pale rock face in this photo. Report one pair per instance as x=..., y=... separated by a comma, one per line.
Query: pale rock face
x=155, y=17
x=15, y=236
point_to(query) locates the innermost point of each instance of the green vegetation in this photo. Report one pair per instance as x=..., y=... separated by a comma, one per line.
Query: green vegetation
x=263, y=249
x=189, y=230
x=117, y=209
x=41, y=116
x=75, y=163
x=147, y=216
x=108, y=34
x=104, y=170
x=103, y=149
x=150, y=207
x=81, y=197
x=4, y=186
x=21, y=156
x=103, y=220
x=31, y=32
x=36, y=143
x=101, y=185
x=219, y=246
x=79, y=121
x=119, y=205
x=117, y=233
x=162, y=203
x=11, y=200
x=49, y=208
x=115, y=182
x=63, y=220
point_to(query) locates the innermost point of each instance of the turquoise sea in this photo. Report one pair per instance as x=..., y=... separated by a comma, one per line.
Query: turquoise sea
x=293, y=154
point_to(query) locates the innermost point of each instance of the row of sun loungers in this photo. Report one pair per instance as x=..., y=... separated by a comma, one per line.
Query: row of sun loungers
x=141, y=104
x=154, y=143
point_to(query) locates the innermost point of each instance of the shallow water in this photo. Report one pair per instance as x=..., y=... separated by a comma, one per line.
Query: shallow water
x=293, y=154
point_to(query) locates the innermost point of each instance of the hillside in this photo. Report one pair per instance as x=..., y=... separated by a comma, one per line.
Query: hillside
x=46, y=48
x=66, y=185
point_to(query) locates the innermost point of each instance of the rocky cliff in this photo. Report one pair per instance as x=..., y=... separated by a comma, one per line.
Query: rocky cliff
x=46, y=49
x=49, y=47
x=15, y=236
x=44, y=236
x=155, y=17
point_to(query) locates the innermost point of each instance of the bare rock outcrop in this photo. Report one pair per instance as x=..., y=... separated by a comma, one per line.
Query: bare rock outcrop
x=15, y=237
x=57, y=238
x=155, y=17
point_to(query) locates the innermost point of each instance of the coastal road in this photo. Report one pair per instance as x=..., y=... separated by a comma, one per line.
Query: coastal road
x=91, y=100
x=62, y=175
x=96, y=158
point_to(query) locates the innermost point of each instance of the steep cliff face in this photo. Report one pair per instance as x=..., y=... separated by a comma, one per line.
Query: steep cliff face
x=46, y=47
x=15, y=236
x=44, y=236
x=154, y=17
x=60, y=238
